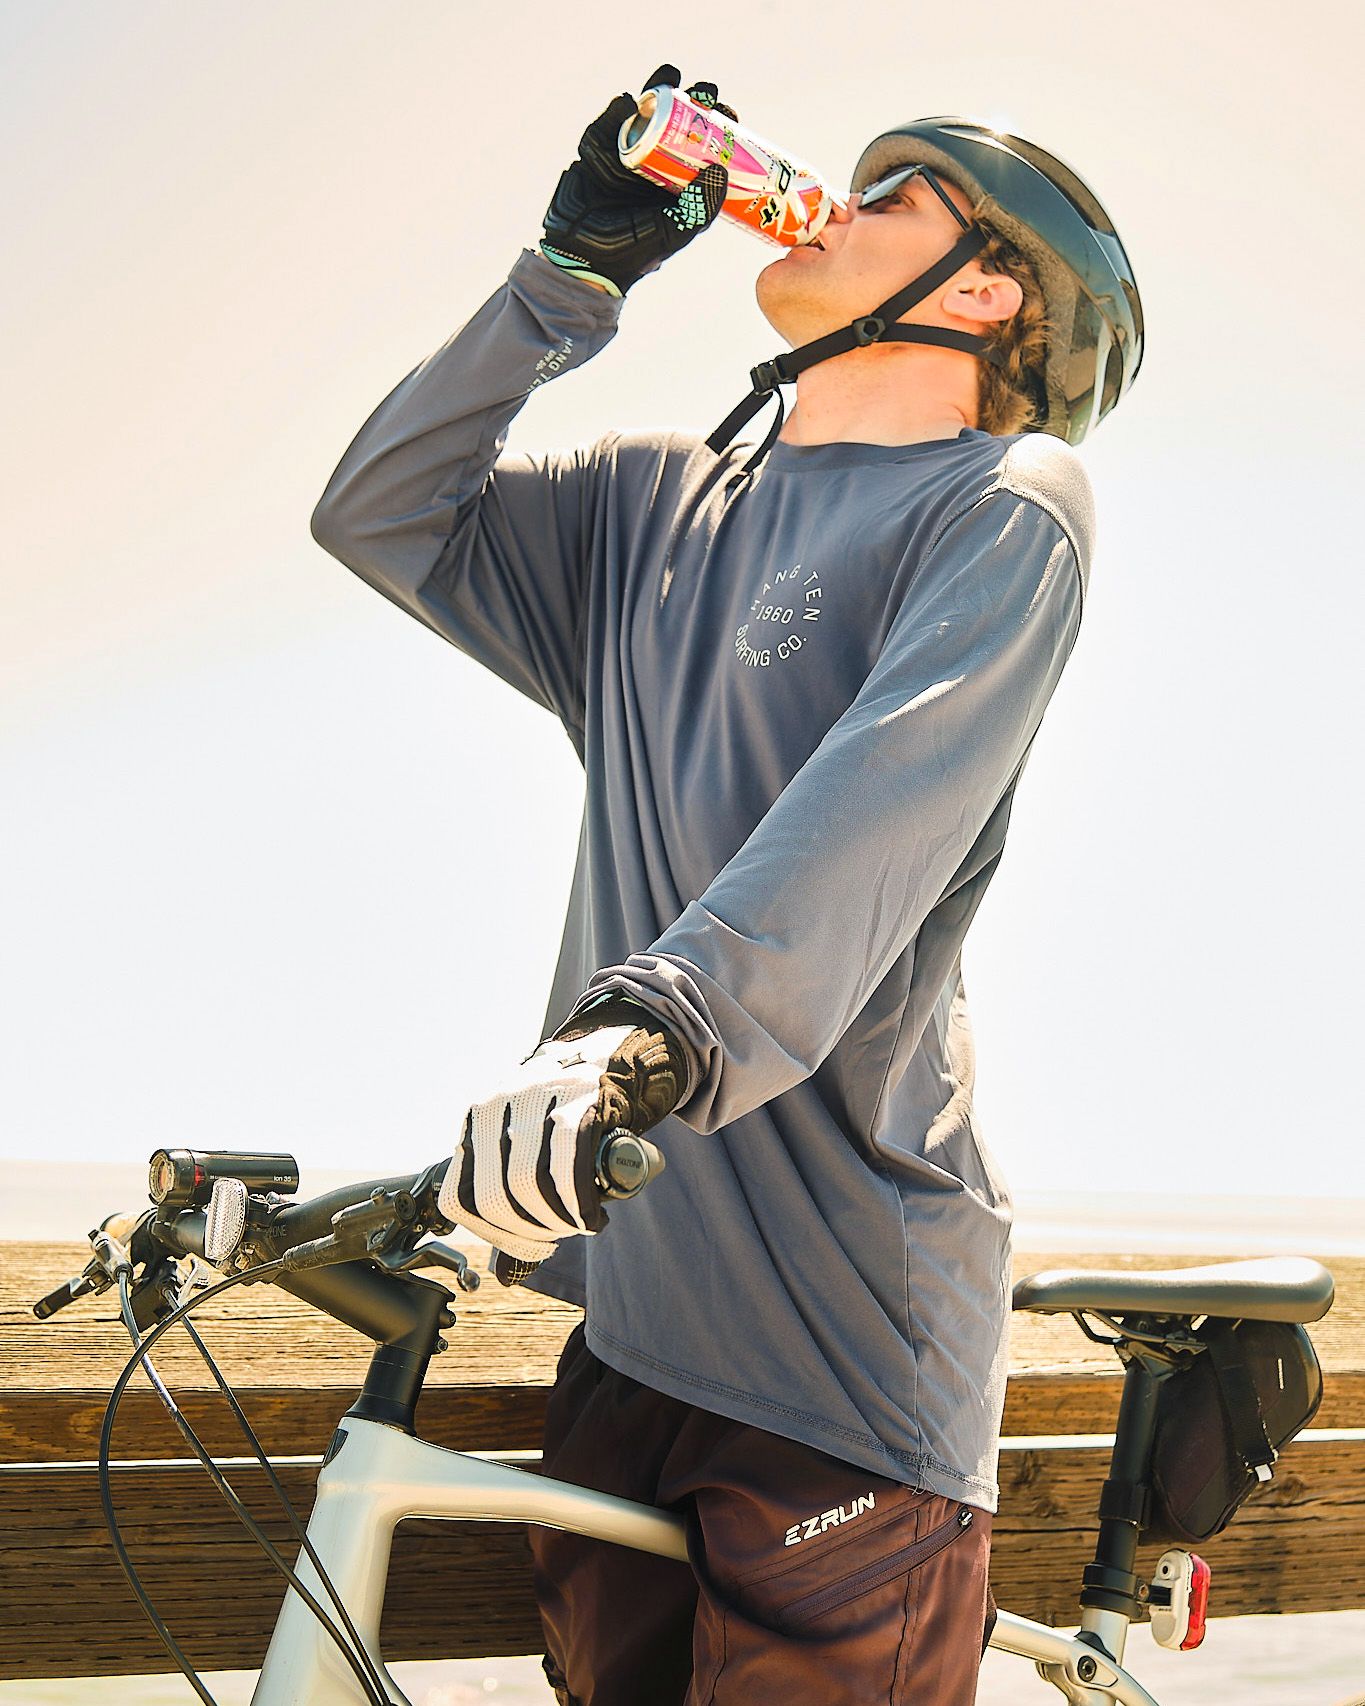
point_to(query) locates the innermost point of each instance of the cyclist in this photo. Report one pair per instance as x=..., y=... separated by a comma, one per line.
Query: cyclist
x=803, y=689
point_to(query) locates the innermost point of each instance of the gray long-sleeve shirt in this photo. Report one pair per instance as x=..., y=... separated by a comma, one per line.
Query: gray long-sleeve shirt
x=802, y=699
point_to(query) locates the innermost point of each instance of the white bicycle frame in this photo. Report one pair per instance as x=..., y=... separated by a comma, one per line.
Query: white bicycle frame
x=378, y=1476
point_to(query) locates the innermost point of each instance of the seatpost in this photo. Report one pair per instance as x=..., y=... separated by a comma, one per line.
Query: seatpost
x=1110, y=1583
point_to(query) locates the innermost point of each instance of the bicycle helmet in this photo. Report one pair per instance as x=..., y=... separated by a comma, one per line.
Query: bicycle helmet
x=1040, y=205
x=1057, y=223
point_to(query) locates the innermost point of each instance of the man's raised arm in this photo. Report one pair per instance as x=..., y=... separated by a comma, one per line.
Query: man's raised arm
x=489, y=550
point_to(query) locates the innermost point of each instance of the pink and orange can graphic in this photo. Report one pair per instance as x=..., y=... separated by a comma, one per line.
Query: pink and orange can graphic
x=771, y=194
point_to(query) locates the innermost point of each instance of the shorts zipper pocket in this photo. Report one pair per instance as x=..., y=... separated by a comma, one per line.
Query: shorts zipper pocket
x=814, y=1605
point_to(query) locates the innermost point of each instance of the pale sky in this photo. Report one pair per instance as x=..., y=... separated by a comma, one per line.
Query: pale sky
x=280, y=869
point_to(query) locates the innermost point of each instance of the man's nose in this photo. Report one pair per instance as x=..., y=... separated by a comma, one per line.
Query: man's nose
x=842, y=215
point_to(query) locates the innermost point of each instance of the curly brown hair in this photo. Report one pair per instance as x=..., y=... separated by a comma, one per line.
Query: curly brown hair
x=1009, y=398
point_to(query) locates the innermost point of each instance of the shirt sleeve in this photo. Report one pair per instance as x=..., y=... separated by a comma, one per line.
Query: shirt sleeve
x=488, y=550
x=762, y=975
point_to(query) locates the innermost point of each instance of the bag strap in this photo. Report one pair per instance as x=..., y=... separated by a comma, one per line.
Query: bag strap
x=1242, y=1403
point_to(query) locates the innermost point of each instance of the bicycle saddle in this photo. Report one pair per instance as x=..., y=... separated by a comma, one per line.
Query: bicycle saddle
x=1273, y=1288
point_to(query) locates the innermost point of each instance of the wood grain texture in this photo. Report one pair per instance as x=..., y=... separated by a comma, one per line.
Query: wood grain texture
x=464, y=1589
x=296, y=1371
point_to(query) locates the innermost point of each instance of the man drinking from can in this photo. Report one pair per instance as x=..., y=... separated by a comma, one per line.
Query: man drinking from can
x=803, y=687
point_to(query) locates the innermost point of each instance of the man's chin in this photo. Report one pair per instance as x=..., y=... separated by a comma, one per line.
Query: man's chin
x=790, y=298
x=775, y=286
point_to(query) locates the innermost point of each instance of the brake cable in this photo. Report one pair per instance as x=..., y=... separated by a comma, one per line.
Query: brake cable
x=354, y=1652
x=292, y=1516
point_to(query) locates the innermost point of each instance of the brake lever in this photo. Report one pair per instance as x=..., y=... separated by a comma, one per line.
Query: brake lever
x=119, y=1243
x=380, y=1226
x=432, y=1255
x=426, y=1188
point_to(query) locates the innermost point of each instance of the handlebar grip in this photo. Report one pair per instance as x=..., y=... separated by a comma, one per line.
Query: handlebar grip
x=625, y=1164
x=67, y=1292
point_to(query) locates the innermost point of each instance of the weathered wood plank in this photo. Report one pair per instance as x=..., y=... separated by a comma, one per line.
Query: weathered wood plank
x=297, y=1371
x=463, y=1590
x=261, y=1336
x=265, y=1337
x=1042, y=1401
x=1296, y=1545
x=65, y=1426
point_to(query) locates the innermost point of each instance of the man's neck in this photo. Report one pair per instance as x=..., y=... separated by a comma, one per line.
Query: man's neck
x=864, y=398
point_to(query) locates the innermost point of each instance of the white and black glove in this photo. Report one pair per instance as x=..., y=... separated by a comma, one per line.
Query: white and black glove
x=525, y=1172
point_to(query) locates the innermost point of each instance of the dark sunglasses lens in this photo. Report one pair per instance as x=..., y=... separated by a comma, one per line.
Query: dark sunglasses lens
x=888, y=185
x=897, y=180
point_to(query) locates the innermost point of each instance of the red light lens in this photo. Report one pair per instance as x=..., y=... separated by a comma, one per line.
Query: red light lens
x=1200, y=1578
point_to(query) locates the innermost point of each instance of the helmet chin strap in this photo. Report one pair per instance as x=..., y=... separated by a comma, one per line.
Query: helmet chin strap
x=880, y=327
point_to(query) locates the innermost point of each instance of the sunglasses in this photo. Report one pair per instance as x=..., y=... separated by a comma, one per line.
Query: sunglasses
x=894, y=181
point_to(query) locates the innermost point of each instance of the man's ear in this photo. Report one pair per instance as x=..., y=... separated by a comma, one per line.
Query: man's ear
x=984, y=298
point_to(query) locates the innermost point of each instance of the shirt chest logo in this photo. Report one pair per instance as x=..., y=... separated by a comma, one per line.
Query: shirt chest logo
x=781, y=619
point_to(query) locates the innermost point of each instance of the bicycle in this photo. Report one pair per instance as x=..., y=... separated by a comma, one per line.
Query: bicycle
x=355, y=1253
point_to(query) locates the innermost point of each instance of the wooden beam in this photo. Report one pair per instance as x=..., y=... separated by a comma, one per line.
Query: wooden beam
x=296, y=1371
x=64, y=1427
x=463, y=1589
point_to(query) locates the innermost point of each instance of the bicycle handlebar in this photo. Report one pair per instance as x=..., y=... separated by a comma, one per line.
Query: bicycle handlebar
x=375, y=1225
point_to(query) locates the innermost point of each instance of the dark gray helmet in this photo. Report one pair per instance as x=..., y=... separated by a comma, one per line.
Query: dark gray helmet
x=1041, y=206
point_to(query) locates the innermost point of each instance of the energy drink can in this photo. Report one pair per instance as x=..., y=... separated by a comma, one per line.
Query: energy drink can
x=774, y=196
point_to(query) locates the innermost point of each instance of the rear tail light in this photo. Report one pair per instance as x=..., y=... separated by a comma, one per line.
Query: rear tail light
x=1179, y=1598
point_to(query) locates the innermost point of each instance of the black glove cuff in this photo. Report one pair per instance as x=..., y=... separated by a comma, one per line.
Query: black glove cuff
x=610, y=1008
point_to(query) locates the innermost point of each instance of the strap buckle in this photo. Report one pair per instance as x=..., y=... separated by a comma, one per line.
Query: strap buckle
x=767, y=376
x=868, y=329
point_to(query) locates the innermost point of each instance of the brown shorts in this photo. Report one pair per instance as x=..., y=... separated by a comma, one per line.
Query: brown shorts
x=811, y=1583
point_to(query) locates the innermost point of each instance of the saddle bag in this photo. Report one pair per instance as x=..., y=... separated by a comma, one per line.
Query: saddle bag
x=1220, y=1422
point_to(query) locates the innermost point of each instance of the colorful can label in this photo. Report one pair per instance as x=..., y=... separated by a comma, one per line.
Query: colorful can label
x=770, y=194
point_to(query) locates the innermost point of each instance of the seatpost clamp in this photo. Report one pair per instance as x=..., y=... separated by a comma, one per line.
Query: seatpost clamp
x=868, y=330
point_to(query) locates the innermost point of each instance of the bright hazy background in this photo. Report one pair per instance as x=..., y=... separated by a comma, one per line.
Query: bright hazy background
x=281, y=869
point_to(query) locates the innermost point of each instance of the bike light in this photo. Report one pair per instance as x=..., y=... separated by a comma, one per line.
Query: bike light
x=179, y=1178
x=163, y=1175
x=1180, y=1600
